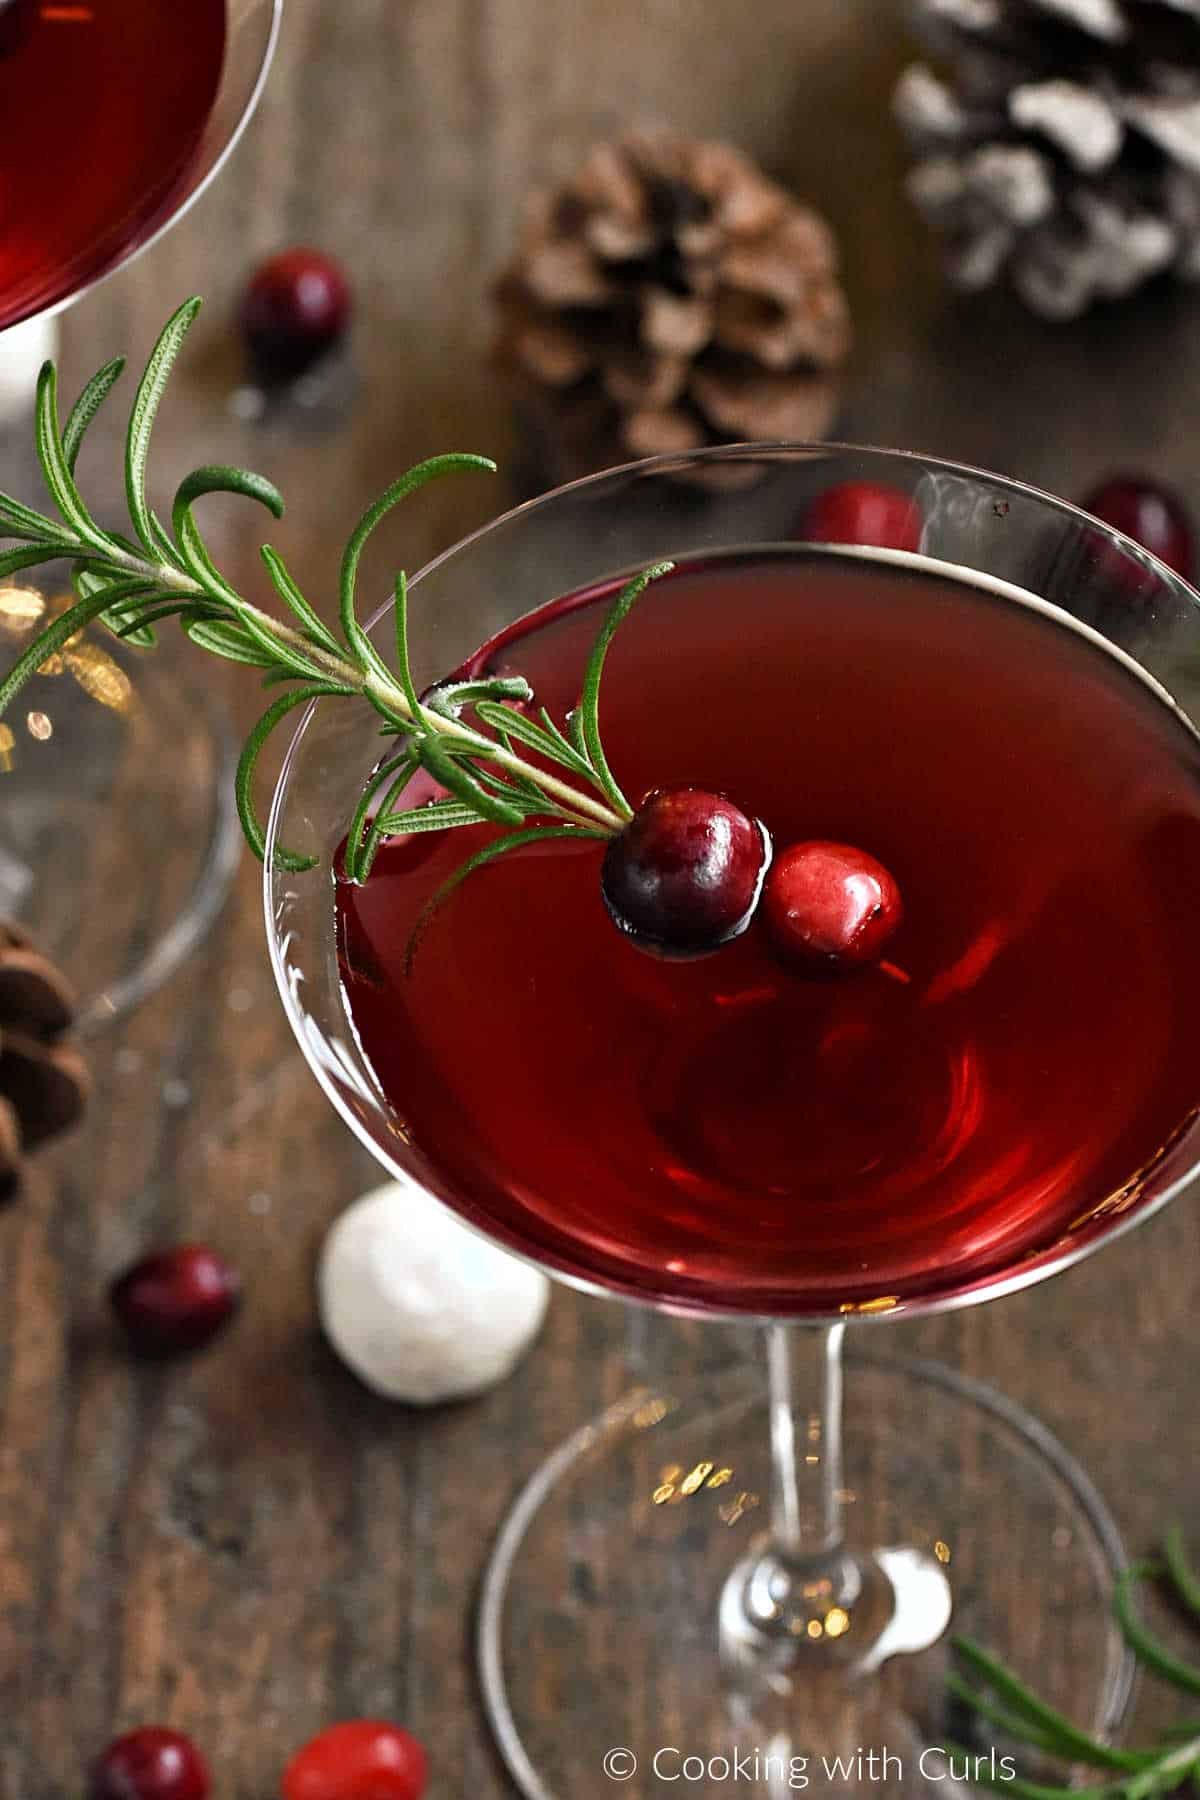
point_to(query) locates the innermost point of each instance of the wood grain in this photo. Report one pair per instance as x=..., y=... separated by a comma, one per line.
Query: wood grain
x=249, y=1544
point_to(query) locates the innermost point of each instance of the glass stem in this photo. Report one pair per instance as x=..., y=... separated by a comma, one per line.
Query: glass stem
x=805, y=1384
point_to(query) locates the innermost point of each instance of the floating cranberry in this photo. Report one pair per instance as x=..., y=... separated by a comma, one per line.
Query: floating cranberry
x=864, y=512
x=685, y=874
x=1151, y=515
x=175, y=1300
x=364, y=1759
x=295, y=309
x=150, y=1764
x=829, y=908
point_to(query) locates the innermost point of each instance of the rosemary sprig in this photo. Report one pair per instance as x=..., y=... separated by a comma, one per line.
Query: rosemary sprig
x=995, y=1694
x=131, y=583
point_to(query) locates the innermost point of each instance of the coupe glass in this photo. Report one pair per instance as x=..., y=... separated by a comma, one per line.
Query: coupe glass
x=112, y=735
x=713, y=1569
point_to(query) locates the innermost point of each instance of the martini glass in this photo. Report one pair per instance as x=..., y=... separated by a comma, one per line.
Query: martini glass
x=716, y=1568
x=108, y=733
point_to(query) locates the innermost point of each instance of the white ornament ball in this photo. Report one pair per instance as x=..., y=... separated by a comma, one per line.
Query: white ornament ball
x=23, y=350
x=422, y=1309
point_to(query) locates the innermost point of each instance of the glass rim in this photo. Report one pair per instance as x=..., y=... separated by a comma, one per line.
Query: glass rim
x=174, y=215
x=1038, y=1267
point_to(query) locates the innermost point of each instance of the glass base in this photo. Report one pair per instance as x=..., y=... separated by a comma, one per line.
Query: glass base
x=605, y=1652
x=118, y=833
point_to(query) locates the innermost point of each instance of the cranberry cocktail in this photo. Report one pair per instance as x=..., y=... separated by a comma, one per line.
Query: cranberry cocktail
x=747, y=1131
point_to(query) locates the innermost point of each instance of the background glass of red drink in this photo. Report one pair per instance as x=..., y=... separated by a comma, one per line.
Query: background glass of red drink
x=147, y=103
x=773, y=1566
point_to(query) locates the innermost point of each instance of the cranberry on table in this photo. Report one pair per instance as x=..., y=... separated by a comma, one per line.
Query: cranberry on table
x=1151, y=515
x=151, y=1763
x=829, y=908
x=363, y=1759
x=175, y=1299
x=685, y=874
x=295, y=309
x=864, y=512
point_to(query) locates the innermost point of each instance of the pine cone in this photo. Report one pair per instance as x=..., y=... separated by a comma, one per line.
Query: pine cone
x=669, y=297
x=43, y=1079
x=1063, y=145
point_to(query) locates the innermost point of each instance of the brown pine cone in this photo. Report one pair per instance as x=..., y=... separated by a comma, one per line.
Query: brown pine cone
x=668, y=297
x=43, y=1079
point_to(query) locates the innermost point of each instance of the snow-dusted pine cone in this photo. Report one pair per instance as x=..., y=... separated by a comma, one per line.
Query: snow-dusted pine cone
x=1058, y=140
x=669, y=296
x=43, y=1079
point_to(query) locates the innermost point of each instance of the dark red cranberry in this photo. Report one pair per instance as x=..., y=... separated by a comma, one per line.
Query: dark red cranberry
x=176, y=1299
x=16, y=23
x=150, y=1764
x=828, y=907
x=295, y=309
x=1151, y=515
x=363, y=1759
x=685, y=874
x=864, y=512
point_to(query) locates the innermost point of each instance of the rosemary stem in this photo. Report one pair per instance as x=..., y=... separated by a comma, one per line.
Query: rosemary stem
x=580, y=807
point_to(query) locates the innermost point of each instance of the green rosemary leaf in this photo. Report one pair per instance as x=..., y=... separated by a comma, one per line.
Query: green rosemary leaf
x=445, y=767
x=562, y=742
x=501, y=846
x=403, y=665
x=399, y=490
x=220, y=478
x=435, y=815
x=59, y=479
x=449, y=698
x=224, y=638
x=46, y=643
x=27, y=523
x=203, y=571
x=376, y=830
x=1026, y=1790
x=248, y=762
x=358, y=821
x=1069, y=1740
x=586, y=719
x=87, y=406
x=139, y=631
x=1143, y=1643
x=26, y=556
x=141, y=419
x=1184, y=1578
x=287, y=590
x=534, y=736
x=1071, y=1745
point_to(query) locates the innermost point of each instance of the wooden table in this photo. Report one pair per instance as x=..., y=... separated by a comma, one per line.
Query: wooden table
x=249, y=1544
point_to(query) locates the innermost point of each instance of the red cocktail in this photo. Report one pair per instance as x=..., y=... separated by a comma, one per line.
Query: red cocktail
x=726, y=1131
x=105, y=103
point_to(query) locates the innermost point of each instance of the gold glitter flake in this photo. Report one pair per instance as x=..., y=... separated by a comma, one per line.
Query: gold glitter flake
x=20, y=609
x=942, y=1551
x=737, y=1508
x=7, y=742
x=99, y=676
x=884, y=1303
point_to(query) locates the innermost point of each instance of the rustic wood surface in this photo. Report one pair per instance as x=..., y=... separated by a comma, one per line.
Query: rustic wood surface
x=249, y=1544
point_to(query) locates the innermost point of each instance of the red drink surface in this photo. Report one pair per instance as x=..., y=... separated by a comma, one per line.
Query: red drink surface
x=726, y=1132
x=104, y=103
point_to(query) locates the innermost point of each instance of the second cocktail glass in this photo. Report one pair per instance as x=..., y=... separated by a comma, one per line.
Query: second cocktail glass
x=709, y=1565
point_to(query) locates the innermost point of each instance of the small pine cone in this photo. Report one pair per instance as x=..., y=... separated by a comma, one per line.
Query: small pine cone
x=43, y=1079
x=669, y=297
x=1059, y=143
